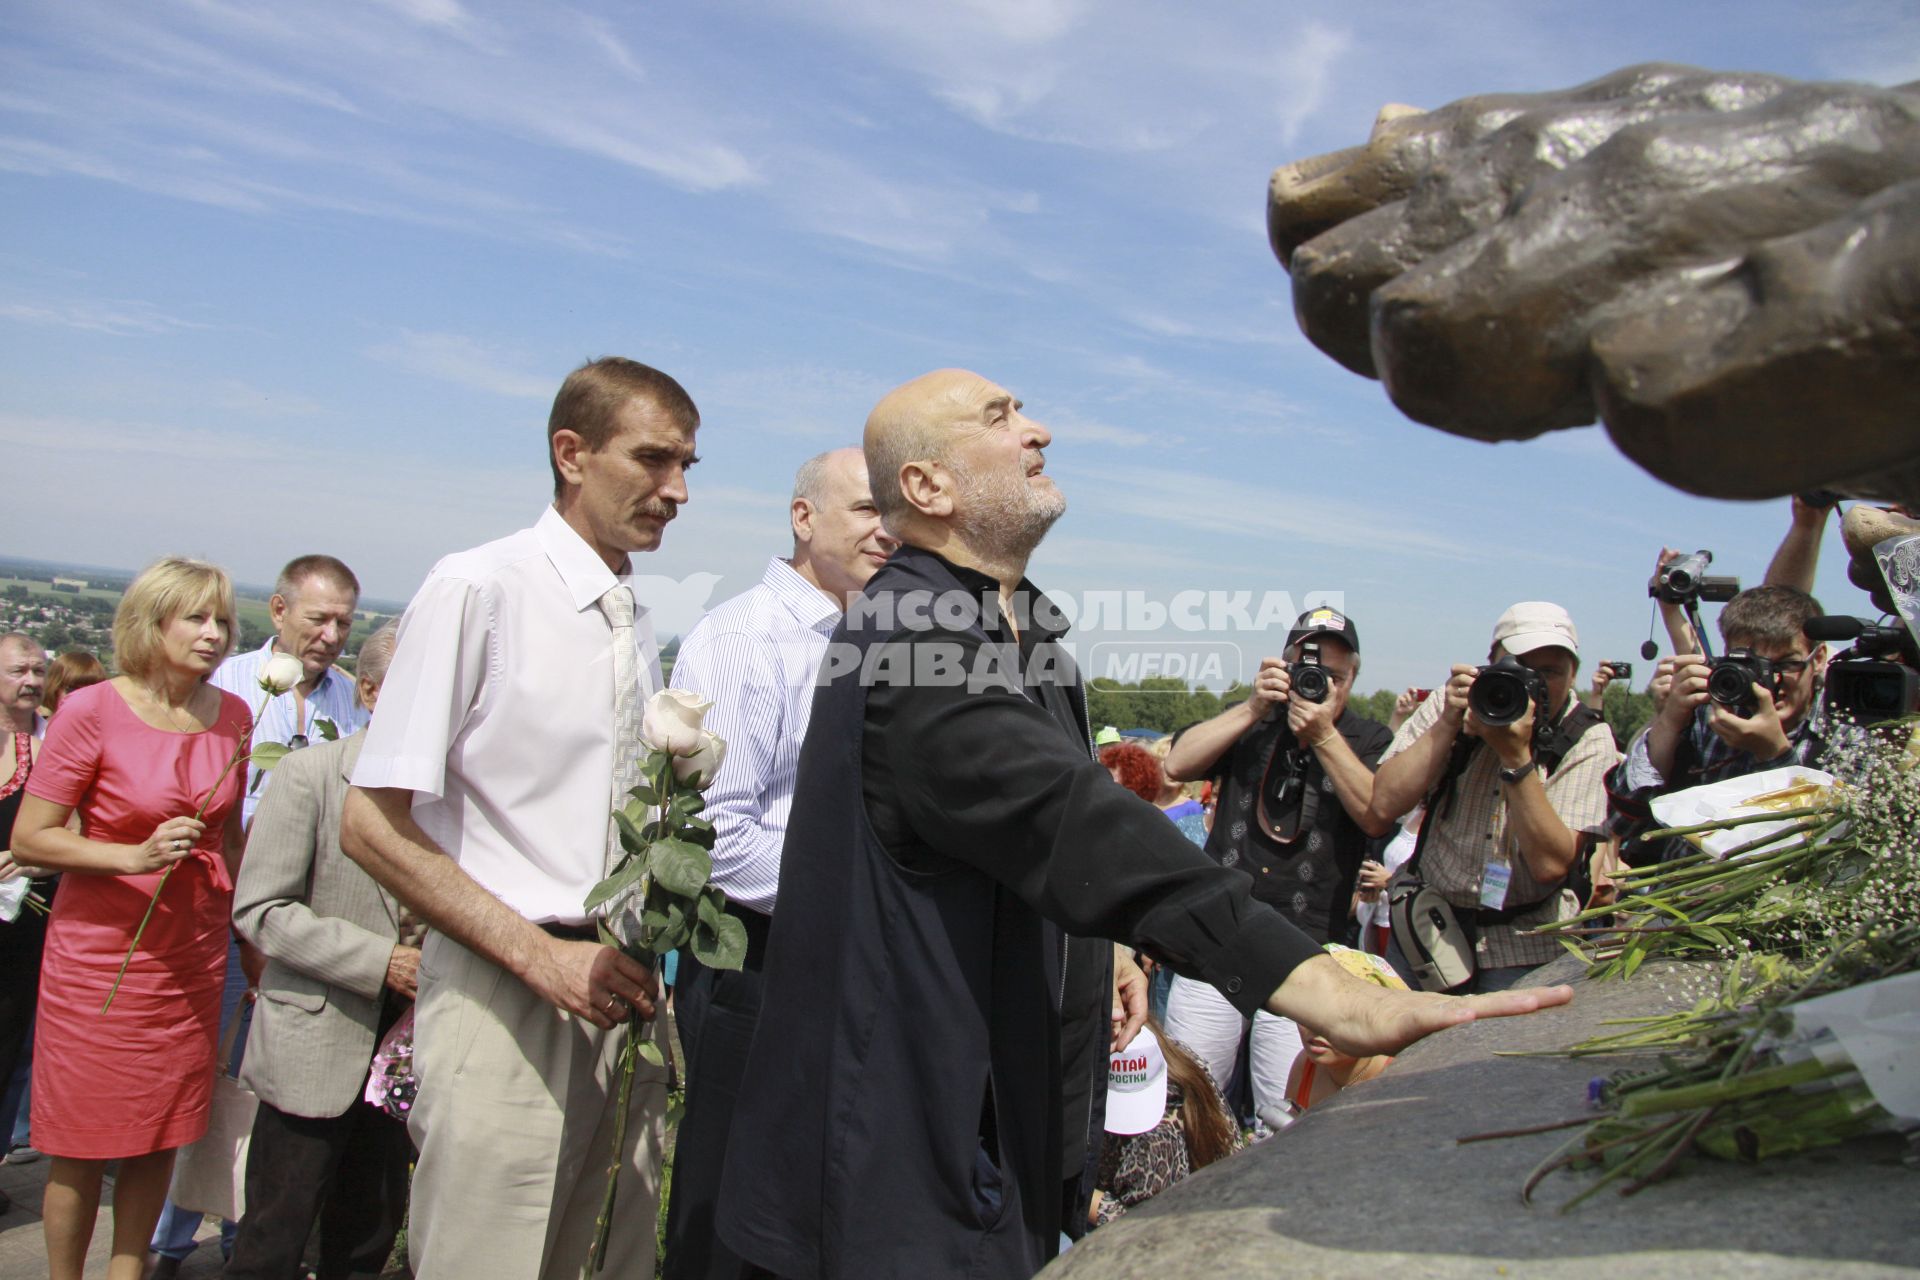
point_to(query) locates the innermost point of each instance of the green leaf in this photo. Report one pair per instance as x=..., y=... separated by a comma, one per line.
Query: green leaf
x=721, y=946
x=1573, y=949
x=667, y=921
x=651, y=1052
x=327, y=729
x=680, y=867
x=645, y=795
x=688, y=803
x=606, y=934
x=269, y=754
x=1634, y=958
x=617, y=883
x=711, y=907
x=630, y=834
x=674, y=938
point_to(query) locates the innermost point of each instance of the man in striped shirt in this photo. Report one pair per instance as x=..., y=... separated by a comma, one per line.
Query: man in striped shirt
x=755, y=658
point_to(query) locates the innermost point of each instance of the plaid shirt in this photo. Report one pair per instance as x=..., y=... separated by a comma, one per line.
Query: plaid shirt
x=1702, y=756
x=1469, y=830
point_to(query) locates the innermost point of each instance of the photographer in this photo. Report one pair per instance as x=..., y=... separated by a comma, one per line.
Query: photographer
x=1511, y=808
x=1296, y=780
x=1759, y=715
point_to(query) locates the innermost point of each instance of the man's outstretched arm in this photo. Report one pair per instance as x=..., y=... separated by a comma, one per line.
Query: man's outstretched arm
x=1361, y=1018
x=987, y=778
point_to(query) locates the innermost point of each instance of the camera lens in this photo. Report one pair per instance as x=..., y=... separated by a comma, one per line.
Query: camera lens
x=1310, y=683
x=1498, y=697
x=1731, y=684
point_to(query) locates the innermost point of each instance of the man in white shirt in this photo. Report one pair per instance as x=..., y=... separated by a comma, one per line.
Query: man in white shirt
x=755, y=658
x=482, y=800
x=312, y=610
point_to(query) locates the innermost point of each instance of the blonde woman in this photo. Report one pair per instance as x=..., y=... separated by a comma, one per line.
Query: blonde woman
x=135, y=756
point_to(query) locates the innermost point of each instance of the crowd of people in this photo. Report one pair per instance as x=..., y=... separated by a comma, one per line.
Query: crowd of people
x=1004, y=977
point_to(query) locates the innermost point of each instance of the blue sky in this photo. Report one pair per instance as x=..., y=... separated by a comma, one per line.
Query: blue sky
x=285, y=277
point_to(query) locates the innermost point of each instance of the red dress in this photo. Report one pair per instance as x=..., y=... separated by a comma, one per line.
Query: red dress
x=139, y=1077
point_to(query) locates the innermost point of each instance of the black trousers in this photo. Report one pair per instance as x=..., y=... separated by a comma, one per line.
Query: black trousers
x=349, y=1172
x=20, y=946
x=725, y=1005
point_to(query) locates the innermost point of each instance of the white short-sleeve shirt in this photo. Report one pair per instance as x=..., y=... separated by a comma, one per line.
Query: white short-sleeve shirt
x=498, y=714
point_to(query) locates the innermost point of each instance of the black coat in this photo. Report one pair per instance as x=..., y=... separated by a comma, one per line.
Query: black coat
x=901, y=1113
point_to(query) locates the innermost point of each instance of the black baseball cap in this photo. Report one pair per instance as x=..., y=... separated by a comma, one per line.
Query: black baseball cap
x=1325, y=622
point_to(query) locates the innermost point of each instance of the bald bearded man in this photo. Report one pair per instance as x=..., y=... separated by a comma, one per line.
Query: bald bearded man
x=904, y=1108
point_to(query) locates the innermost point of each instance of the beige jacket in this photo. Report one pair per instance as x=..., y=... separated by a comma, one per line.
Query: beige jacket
x=327, y=929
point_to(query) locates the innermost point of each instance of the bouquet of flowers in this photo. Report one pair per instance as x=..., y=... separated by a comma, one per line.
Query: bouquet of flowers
x=1791, y=861
x=391, y=1082
x=1809, y=895
x=1785, y=1057
x=657, y=896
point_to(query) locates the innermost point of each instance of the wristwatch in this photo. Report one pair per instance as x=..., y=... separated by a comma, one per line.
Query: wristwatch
x=1515, y=775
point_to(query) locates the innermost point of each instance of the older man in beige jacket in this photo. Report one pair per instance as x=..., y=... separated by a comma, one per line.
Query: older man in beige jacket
x=338, y=976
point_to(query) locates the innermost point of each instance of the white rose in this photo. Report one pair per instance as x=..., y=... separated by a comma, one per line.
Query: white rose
x=671, y=721
x=701, y=764
x=282, y=672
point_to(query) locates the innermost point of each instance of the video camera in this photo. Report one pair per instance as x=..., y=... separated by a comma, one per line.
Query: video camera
x=1876, y=679
x=1686, y=581
x=1503, y=690
x=1309, y=677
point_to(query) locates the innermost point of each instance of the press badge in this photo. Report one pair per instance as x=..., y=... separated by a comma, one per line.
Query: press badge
x=1493, y=885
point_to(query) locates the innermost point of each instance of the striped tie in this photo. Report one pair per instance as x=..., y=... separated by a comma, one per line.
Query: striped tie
x=617, y=604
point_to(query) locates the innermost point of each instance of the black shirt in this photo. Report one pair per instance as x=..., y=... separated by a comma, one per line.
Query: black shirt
x=1310, y=879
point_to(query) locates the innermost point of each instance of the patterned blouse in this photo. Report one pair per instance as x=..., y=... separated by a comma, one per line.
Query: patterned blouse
x=1139, y=1166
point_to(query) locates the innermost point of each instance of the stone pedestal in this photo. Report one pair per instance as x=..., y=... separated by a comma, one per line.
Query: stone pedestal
x=1371, y=1185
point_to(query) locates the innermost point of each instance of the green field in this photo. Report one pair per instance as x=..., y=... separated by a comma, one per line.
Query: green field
x=255, y=619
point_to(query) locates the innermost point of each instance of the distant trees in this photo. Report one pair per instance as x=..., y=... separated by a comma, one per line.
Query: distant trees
x=1165, y=705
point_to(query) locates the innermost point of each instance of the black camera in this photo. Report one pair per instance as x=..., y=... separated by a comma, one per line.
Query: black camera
x=1686, y=581
x=1309, y=677
x=1875, y=680
x=1618, y=670
x=1502, y=691
x=1731, y=680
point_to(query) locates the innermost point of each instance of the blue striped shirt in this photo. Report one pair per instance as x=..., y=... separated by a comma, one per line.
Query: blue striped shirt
x=754, y=658
x=279, y=719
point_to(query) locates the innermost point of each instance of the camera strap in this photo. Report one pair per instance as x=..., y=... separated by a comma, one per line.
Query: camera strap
x=1287, y=800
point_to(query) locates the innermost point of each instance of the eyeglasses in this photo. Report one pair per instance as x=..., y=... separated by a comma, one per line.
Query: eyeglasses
x=1791, y=666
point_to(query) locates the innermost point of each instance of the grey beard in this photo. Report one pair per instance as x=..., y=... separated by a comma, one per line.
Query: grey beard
x=1006, y=524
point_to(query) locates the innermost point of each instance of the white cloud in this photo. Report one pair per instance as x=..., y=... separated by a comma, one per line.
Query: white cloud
x=466, y=362
x=1251, y=509
x=1122, y=76
x=121, y=317
x=1071, y=433
x=824, y=404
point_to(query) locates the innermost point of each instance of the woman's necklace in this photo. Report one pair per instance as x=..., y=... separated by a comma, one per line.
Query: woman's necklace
x=171, y=712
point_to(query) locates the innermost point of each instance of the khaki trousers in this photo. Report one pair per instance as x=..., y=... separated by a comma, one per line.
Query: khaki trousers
x=514, y=1124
